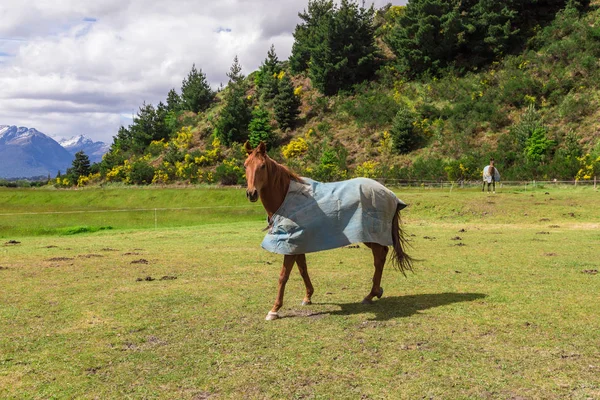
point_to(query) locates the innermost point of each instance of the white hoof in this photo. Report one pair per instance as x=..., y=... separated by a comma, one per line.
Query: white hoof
x=272, y=316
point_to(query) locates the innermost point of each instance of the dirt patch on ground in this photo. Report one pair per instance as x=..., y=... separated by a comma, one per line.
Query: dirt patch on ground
x=51, y=247
x=542, y=233
x=108, y=249
x=150, y=279
x=60, y=259
x=590, y=271
x=550, y=254
x=3, y=268
x=90, y=255
x=12, y=243
x=133, y=253
x=140, y=261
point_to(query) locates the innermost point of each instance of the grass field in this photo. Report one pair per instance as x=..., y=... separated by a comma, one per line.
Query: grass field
x=503, y=304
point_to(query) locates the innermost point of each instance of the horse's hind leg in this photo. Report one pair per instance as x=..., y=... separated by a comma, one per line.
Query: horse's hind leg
x=301, y=262
x=379, y=255
x=288, y=263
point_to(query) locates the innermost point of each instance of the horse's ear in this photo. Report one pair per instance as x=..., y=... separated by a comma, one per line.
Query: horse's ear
x=248, y=147
x=262, y=148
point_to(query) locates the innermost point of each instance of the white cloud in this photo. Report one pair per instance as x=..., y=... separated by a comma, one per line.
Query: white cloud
x=69, y=67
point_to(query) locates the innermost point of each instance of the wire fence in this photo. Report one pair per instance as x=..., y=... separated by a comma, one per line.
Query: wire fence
x=533, y=184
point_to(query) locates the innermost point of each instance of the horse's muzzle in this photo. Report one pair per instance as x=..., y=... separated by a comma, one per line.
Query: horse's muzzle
x=252, y=195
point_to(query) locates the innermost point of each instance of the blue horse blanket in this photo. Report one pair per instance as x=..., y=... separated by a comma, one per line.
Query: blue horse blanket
x=317, y=216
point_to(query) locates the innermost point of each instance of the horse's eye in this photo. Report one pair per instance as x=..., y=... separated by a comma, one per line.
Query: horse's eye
x=263, y=166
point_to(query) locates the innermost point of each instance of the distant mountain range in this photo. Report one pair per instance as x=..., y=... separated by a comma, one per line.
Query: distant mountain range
x=94, y=150
x=27, y=152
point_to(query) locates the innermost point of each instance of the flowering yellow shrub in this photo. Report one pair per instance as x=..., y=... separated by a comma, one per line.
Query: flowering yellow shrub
x=590, y=167
x=62, y=182
x=83, y=181
x=368, y=169
x=183, y=141
x=157, y=146
x=210, y=157
x=386, y=143
x=295, y=148
x=118, y=173
x=298, y=91
x=160, y=176
x=281, y=75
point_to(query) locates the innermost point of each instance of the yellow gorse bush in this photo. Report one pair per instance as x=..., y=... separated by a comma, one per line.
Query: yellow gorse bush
x=590, y=167
x=295, y=148
x=368, y=169
x=83, y=181
x=184, y=137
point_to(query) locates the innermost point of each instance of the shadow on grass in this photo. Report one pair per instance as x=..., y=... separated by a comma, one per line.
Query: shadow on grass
x=401, y=306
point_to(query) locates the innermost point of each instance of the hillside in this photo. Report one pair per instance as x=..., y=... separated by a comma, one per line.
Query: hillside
x=532, y=106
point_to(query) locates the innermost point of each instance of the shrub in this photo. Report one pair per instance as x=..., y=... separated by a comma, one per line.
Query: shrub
x=260, y=129
x=230, y=172
x=368, y=169
x=405, y=137
x=295, y=148
x=141, y=173
x=371, y=109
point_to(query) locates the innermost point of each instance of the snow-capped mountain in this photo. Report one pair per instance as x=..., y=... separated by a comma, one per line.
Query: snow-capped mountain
x=27, y=152
x=94, y=150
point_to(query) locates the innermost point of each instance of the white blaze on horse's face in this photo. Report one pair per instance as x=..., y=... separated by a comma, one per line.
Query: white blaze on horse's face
x=256, y=170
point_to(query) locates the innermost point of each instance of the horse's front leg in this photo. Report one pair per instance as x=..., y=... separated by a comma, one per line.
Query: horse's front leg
x=288, y=263
x=301, y=262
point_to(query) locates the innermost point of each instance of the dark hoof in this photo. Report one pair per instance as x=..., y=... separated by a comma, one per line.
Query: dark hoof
x=380, y=293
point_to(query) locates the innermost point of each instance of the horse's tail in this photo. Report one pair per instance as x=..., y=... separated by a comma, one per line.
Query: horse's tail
x=400, y=259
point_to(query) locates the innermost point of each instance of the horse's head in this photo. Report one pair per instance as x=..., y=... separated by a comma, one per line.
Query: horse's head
x=256, y=169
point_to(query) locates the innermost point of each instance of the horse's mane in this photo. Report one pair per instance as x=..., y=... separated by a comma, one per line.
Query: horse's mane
x=280, y=173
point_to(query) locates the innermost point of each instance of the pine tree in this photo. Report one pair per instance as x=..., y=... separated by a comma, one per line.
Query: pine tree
x=305, y=39
x=80, y=167
x=235, y=72
x=403, y=133
x=173, y=101
x=271, y=63
x=260, y=129
x=232, y=125
x=266, y=77
x=286, y=104
x=196, y=94
x=339, y=42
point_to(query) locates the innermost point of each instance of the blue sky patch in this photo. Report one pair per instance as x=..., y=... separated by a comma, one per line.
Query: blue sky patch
x=90, y=19
x=222, y=29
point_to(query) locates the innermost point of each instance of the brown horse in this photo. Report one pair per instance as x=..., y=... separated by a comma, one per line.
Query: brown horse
x=270, y=181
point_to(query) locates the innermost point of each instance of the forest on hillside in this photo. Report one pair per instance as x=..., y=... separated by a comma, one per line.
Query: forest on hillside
x=427, y=91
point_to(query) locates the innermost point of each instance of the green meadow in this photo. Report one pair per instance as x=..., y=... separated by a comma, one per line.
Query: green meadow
x=162, y=294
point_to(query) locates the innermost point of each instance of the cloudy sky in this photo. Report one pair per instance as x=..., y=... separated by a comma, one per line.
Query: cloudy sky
x=70, y=67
